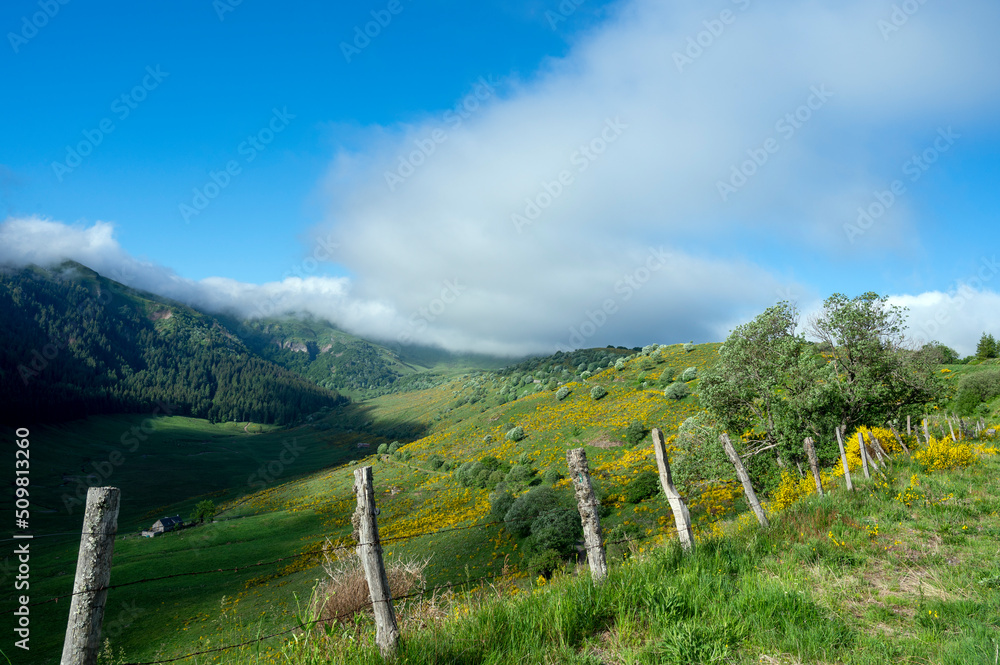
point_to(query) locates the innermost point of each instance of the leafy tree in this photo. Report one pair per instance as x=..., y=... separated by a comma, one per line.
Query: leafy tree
x=597, y=392
x=520, y=473
x=635, y=432
x=874, y=378
x=690, y=374
x=987, y=347
x=500, y=503
x=205, y=510
x=557, y=529
x=383, y=449
x=527, y=507
x=562, y=393
x=515, y=434
x=643, y=486
x=943, y=355
x=676, y=390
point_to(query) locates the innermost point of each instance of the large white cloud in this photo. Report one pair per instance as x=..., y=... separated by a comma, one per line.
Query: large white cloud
x=581, y=206
x=836, y=88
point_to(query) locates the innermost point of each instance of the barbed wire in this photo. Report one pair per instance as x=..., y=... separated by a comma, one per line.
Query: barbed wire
x=303, y=624
x=316, y=553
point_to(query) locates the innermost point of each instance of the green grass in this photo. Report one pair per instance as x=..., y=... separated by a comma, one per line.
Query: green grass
x=306, y=503
x=788, y=594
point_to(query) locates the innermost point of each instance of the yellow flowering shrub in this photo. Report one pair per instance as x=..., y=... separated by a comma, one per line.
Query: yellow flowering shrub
x=945, y=454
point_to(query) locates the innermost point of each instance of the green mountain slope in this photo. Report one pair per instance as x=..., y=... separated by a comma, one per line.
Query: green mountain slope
x=73, y=343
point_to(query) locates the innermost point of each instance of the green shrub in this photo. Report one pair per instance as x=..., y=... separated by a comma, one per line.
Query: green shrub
x=463, y=474
x=500, y=503
x=520, y=473
x=552, y=384
x=690, y=374
x=383, y=449
x=597, y=392
x=666, y=377
x=557, y=529
x=620, y=364
x=544, y=563
x=524, y=458
x=394, y=446
x=635, y=432
x=562, y=393
x=676, y=390
x=527, y=507
x=689, y=347
x=552, y=476
x=586, y=374
x=515, y=434
x=643, y=486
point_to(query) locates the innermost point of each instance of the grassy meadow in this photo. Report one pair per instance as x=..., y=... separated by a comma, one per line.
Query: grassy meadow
x=283, y=520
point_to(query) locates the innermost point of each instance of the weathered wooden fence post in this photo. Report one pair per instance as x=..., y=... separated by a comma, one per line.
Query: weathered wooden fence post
x=899, y=439
x=883, y=455
x=814, y=464
x=843, y=460
x=682, y=518
x=864, y=455
x=741, y=472
x=927, y=432
x=952, y=429
x=93, y=573
x=908, y=430
x=370, y=552
x=587, y=504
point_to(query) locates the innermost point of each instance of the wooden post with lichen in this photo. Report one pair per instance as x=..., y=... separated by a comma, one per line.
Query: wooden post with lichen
x=682, y=518
x=814, y=464
x=952, y=429
x=588, y=506
x=908, y=430
x=843, y=460
x=93, y=573
x=864, y=455
x=927, y=432
x=370, y=552
x=741, y=472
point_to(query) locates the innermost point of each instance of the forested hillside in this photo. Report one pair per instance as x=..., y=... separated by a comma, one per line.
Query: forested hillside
x=73, y=343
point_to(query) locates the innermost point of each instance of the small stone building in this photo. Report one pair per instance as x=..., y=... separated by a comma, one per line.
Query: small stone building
x=163, y=525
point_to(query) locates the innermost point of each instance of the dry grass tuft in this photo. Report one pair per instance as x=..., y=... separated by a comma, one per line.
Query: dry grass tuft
x=343, y=594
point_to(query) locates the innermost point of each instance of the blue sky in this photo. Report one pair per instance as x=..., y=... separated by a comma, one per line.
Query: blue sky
x=407, y=185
